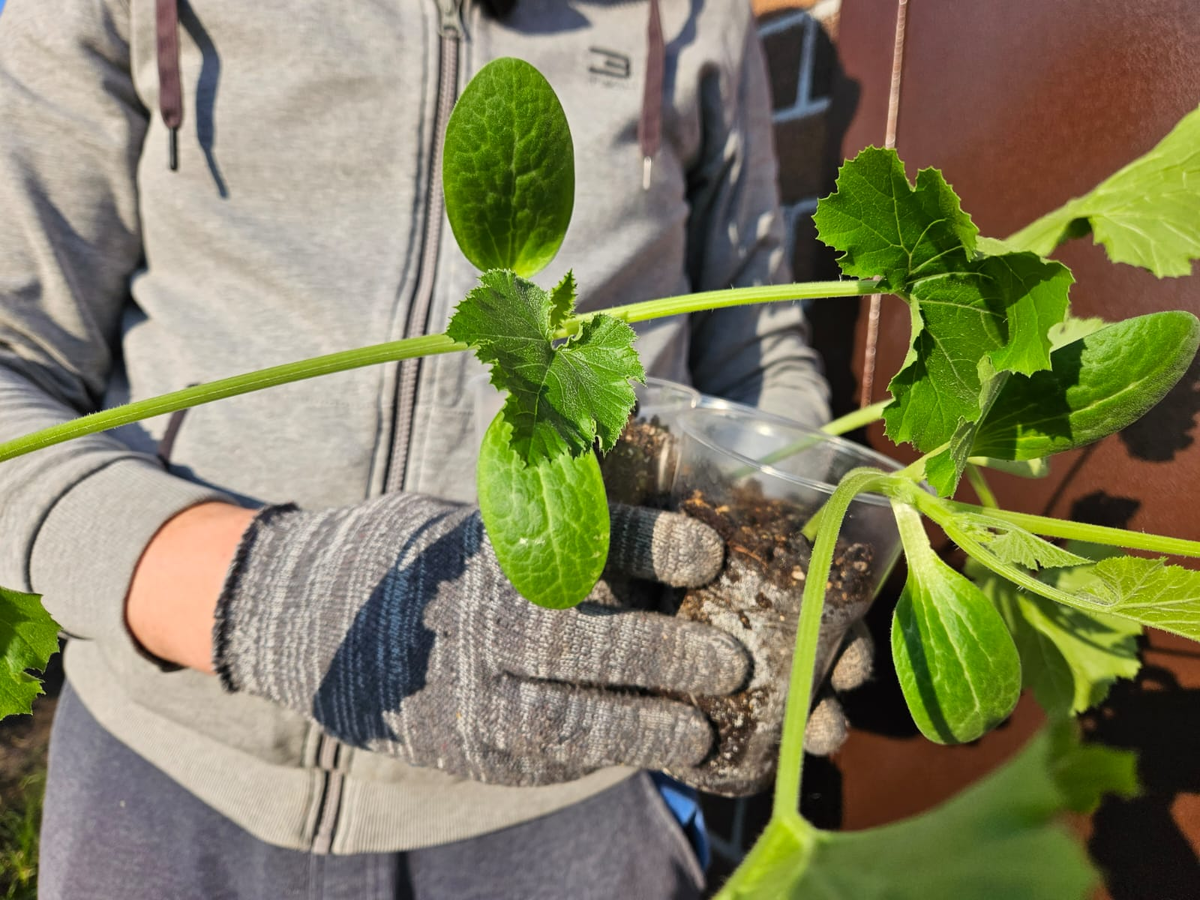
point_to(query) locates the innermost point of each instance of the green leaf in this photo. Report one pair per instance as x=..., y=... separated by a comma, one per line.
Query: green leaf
x=1096, y=386
x=1147, y=214
x=561, y=397
x=997, y=839
x=973, y=327
x=509, y=169
x=28, y=638
x=978, y=310
x=1144, y=590
x=885, y=227
x=1069, y=658
x=562, y=302
x=1013, y=544
x=956, y=662
x=548, y=522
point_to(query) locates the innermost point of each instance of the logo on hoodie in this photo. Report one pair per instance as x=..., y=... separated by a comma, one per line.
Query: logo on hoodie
x=609, y=63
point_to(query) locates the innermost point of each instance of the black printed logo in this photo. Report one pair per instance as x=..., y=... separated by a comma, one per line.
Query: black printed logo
x=609, y=63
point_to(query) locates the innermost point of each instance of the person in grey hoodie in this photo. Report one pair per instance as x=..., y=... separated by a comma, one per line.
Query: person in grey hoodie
x=194, y=189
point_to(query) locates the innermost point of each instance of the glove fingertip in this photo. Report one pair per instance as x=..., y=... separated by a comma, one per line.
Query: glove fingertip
x=827, y=728
x=856, y=665
x=685, y=553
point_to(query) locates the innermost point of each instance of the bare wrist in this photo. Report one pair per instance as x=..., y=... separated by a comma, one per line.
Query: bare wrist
x=174, y=590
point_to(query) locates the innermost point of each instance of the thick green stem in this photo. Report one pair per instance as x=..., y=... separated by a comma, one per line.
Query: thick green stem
x=393, y=351
x=982, y=488
x=690, y=303
x=800, y=685
x=229, y=387
x=856, y=419
x=1079, y=531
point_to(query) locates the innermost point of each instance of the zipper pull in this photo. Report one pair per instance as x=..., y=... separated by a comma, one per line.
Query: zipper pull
x=451, y=18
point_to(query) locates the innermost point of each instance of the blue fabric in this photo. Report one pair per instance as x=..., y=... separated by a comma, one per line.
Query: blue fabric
x=684, y=804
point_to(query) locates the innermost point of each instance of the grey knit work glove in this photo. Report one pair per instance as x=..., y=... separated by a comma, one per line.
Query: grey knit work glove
x=757, y=598
x=390, y=624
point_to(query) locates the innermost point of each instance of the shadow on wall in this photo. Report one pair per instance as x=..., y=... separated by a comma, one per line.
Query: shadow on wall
x=1170, y=427
x=1132, y=718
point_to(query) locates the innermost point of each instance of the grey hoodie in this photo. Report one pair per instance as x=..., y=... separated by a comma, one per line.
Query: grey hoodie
x=303, y=219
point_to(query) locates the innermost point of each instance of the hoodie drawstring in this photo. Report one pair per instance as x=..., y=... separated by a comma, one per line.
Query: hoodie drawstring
x=650, y=123
x=170, y=91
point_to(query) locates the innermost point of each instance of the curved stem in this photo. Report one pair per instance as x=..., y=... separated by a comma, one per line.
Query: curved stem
x=800, y=685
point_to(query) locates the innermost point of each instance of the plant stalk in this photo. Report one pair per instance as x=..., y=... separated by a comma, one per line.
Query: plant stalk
x=706, y=300
x=394, y=351
x=808, y=631
x=982, y=488
x=856, y=419
x=1079, y=531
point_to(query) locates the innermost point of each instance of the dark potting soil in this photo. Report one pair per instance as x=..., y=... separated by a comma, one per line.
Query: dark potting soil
x=758, y=590
x=764, y=547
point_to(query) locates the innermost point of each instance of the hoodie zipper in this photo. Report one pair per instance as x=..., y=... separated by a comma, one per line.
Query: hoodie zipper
x=450, y=33
x=450, y=29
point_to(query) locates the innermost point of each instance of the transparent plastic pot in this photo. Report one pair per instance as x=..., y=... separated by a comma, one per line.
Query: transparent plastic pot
x=758, y=479
x=640, y=469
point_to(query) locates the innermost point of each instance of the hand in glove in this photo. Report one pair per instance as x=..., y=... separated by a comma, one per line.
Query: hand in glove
x=757, y=598
x=390, y=624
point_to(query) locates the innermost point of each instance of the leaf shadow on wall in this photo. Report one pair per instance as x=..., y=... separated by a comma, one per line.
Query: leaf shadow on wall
x=1139, y=844
x=1168, y=428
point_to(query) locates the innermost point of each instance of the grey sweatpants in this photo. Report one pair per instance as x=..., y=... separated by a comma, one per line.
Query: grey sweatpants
x=117, y=828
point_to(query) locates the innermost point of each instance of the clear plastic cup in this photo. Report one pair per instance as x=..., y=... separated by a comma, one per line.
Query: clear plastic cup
x=758, y=479
x=639, y=470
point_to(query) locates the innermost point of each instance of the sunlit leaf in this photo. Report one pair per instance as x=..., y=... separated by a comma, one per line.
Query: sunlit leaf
x=955, y=659
x=979, y=312
x=548, y=522
x=28, y=638
x=1147, y=214
x=509, y=169
x=562, y=396
x=1097, y=385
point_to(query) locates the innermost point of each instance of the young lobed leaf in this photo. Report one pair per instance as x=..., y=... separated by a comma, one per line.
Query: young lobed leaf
x=997, y=839
x=562, y=397
x=1145, y=591
x=957, y=665
x=978, y=310
x=28, y=638
x=1147, y=214
x=884, y=227
x=548, y=521
x=1096, y=386
x=1069, y=658
x=1013, y=544
x=509, y=169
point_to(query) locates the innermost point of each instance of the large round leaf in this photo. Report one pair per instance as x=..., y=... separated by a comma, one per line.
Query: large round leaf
x=509, y=169
x=547, y=520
